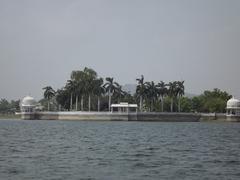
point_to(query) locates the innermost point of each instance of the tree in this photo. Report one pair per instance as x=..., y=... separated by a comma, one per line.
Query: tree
x=90, y=79
x=197, y=103
x=180, y=92
x=172, y=92
x=129, y=98
x=79, y=79
x=49, y=93
x=162, y=91
x=119, y=93
x=140, y=90
x=9, y=107
x=215, y=100
x=110, y=87
x=71, y=87
x=98, y=90
x=211, y=101
x=4, y=106
x=151, y=92
x=186, y=104
x=62, y=98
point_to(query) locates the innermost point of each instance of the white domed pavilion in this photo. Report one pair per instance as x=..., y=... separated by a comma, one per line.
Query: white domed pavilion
x=233, y=107
x=28, y=104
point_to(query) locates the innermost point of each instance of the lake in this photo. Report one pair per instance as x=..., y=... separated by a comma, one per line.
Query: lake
x=118, y=150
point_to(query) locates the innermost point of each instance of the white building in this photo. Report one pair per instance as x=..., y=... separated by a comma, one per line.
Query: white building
x=233, y=107
x=28, y=104
x=124, y=107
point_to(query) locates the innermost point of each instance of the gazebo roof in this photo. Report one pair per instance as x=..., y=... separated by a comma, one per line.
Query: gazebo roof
x=233, y=103
x=28, y=101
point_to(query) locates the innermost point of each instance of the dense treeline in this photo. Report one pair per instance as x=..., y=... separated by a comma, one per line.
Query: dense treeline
x=86, y=91
x=7, y=107
x=211, y=101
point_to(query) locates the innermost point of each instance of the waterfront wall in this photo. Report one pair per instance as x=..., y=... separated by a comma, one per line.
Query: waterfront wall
x=169, y=117
x=233, y=118
x=133, y=116
x=220, y=117
x=109, y=116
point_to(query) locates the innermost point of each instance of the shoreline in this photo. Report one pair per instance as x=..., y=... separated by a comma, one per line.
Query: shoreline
x=116, y=116
x=113, y=116
x=131, y=116
x=9, y=116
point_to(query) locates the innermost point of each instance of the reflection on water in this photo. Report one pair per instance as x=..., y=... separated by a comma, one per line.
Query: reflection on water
x=118, y=150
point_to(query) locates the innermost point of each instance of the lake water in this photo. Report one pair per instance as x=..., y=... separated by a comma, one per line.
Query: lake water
x=118, y=150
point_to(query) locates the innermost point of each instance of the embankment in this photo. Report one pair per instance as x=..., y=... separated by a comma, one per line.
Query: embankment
x=109, y=116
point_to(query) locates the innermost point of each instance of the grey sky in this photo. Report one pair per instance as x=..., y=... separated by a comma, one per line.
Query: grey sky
x=41, y=42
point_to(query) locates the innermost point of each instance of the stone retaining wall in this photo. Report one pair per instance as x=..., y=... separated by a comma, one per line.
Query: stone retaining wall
x=108, y=116
x=140, y=116
x=169, y=117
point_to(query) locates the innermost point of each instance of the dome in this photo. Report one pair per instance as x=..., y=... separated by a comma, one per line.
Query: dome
x=28, y=101
x=233, y=103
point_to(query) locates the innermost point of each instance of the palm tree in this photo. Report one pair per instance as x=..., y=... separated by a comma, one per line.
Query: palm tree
x=98, y=90
x=90, y=77
x=62, y=98
x=71, y=87
x=162, y=91
x=119, y=93
x=172, y=92
x=110, y=87
x=152, y=93
x=180, y=92
x=49, y=93
x=78, y=78
x=140, y=90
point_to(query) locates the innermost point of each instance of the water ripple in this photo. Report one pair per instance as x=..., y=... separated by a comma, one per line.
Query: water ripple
x=118, y=150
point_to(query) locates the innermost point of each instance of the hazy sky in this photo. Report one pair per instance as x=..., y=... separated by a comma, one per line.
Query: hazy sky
x=42, y=41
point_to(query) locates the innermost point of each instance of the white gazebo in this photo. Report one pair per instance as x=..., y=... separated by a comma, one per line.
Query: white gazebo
x=124, y=107
x=233, y=107
x=28, y=104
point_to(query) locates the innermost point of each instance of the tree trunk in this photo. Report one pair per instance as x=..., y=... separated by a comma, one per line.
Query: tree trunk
x=76, y=102
x=48, y=105
x=71, y=102
x=151, y=106
x=162, y=103
x=179, y=105
x=89, y=103
x=98, y=103
x=82, y=103
x=109, y=101
x=141, y=103
x=171, y=104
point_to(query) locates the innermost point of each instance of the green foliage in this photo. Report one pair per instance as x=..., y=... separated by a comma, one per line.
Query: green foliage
x=9, y=107
x=63, y=98
x=141, y=87
x=153, y=95
x=48, y=92
x=111, y=86
x=211, y=101
x=167, y=104
x=186, y=104
x=85, y=85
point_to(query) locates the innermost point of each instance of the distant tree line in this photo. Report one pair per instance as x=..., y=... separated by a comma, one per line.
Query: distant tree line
x=86, y=91
x=211, y=101
x=9, y=107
